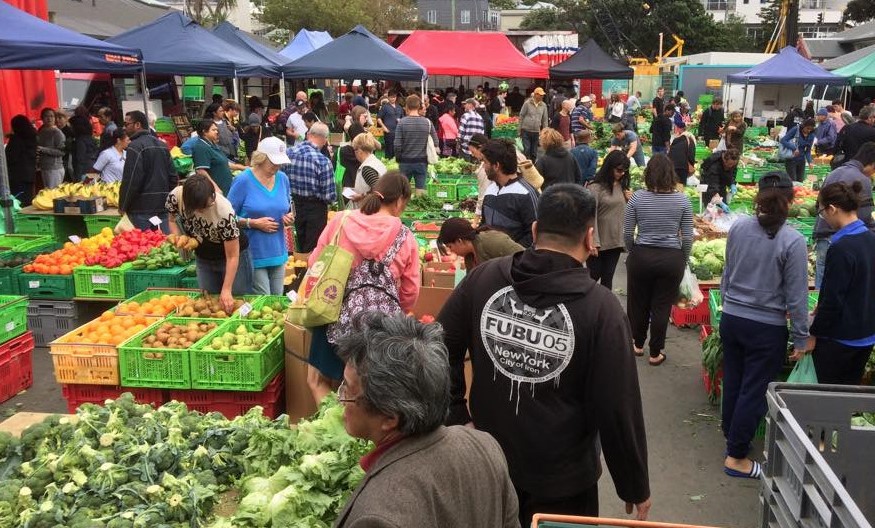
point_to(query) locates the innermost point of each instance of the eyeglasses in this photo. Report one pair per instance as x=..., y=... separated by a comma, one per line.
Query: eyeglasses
x=342, y=393
x=821, y=210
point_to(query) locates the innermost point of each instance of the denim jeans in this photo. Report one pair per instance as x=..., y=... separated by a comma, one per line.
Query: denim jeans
x=141, y=221
x=820, y=248
x=268, y=281
x=211, y=275
x=52, y=178
x=639, y=156
x=415, y=171
x=530, y=144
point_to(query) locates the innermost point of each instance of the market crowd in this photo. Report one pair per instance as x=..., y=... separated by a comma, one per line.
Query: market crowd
x=553, y=352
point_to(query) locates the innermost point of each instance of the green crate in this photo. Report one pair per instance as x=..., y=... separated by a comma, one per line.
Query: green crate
x=442, y=191
x=467, y=188
x=156, y=368
x=42, y=286
x=235, y=370
x=94, y=223
x=98, y=282
x=13, y=316
x=806, y=229
x=60, y=228
x=741, y=206
x=21, y=243
x=144, y=296
x=137, y=281
x=812, y=300
x=189, y=282
x=9, y=281
x=715, y=306
x=259, y=303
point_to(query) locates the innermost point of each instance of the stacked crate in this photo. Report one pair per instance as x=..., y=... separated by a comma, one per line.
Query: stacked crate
x=16, y=347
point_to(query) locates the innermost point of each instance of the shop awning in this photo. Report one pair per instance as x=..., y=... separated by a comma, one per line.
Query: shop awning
x=591, y=62
x=787, y=67
x=465, y=53
x=30, y=43
x=357, y=55
x=305, y=42
x=176, y=45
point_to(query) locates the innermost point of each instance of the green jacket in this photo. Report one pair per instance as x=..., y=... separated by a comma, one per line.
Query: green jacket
x=489, y=245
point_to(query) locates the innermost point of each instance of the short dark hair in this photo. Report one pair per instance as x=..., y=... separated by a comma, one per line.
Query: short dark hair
x=211, y=110
x=310, y=116
x=730, y=154
x=659, y=175
x=117, y=134
x=866, y=154
x=808, y=123
x=501, y=152
x=565, y=211
x=844, y=196
x=204, y=125
x=197, y=191
x=137, y=116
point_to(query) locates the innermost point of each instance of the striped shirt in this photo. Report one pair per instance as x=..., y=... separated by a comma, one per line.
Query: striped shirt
x=411, y=138
x=470, y=124
x=310, y=173
x=662, y=219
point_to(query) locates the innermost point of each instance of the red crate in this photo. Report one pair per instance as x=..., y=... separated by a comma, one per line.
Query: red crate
x=700, y=315
x=236, y=403
x=704, y=333
x=16, y=365
x=77, y=394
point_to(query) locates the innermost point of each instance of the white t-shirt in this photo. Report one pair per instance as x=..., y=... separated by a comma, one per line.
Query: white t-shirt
x=111, y=165
x=296, y=122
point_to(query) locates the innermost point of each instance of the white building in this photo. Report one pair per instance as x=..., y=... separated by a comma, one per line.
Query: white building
x=817, y=18
x=242, y=15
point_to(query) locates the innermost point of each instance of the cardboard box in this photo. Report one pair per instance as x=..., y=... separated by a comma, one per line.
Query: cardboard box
x=431, y=301
x=442, y=275
x=299, y=399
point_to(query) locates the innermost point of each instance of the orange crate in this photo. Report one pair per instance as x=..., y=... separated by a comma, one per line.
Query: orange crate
x=86, y=363
x=541, y=520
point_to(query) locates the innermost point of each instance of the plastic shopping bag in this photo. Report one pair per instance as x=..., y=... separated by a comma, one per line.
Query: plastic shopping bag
x=804, y=371
x=689, y=294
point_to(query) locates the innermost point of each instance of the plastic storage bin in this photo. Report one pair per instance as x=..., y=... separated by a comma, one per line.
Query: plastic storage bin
x=58, y=227
x=98, y=282
x=16, y=366
x=234, y=403
x=95, y=223
x=40, y=286
x=9, y=280
x=49, y=320
x=819, y=470
x=137, y=281
x=236, y=370
x=76, y=395
x=13, y=316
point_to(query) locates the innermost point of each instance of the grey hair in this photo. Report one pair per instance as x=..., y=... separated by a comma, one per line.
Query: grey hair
x=866, y=112
x=403, y=368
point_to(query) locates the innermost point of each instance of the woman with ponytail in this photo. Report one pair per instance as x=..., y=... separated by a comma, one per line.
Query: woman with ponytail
x=843, y=331
x=475, y=245
x=368, y=233
x=765, y=278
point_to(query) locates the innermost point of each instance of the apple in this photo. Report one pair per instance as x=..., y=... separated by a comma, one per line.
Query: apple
x=429, y=257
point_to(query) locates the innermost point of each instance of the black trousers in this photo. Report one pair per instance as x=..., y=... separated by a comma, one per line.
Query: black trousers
x=654, y=275
x=795, y=169
x=311, y=216
x=602, y=267
x=389, y=145
x=585, y=504
x=839, y=364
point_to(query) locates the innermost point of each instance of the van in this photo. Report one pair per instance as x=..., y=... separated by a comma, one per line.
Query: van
x=823, y=96
x=96, y=90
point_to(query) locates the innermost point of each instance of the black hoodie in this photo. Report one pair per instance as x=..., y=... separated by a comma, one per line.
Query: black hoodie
x=553, y=372
x=558, y=166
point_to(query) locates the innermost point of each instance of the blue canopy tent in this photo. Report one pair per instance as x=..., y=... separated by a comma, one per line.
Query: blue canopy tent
x=30, y=43
x=232, y=35
x=358, y=54
x=305, y=42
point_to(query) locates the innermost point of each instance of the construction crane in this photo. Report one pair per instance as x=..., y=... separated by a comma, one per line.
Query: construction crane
x=785, y=31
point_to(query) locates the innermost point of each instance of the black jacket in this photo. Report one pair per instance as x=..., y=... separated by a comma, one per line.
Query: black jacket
x=554, y=373
x=710, y=122
x=846, y=305
x=148, y=175
x=852, y=137
x=716, y=176
x=557, y=165
x=660, y=130
x=682, y=153
x=21, y=159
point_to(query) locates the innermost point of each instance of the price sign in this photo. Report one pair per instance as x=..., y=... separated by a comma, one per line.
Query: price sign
x=245, y=309
x=448, y=207
x=10, y=326
x=33, y=285
x=702, y=187
x=293, y=296
x=100, y=279
x=75, y=239
x=155, y=221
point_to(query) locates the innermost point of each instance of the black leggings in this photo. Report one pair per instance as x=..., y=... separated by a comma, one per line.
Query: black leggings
x=654, y=275
x=839, y=364
x=602, y=267
x=585, y=503
x=311, y=216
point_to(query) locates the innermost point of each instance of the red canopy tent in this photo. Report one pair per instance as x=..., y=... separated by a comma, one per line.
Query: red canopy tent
x=468, y=53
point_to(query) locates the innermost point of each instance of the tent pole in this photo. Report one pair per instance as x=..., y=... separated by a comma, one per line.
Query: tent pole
x=145, y=93
x=5, y=195
x=236, y=87
x=282, y=93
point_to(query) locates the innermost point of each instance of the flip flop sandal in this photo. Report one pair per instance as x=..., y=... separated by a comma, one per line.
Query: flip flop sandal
x=756, y=471
x=638, y=351
x=657, y=361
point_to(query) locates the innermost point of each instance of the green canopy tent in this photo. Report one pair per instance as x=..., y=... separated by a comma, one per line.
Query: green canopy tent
x=860, y=73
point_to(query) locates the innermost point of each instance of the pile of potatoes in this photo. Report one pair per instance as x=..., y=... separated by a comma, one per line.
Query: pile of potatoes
x=177, y=336
x=206, y=307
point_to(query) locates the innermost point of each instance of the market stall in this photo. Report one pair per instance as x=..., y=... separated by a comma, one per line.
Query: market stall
x=305, y=41
x=591, y=62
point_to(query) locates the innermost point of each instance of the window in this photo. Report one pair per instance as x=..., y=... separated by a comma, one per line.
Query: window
x=716, y=5
x=756, y=33
x=812, y=31
x=494, y=18
x=811, y=4
x=465, y=16
x=431, y=16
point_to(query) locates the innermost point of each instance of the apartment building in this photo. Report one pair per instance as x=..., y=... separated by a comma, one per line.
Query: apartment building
x=817, y=18
x=459, y=15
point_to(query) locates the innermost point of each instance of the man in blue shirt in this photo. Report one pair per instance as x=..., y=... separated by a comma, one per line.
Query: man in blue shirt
x=825, y=133
x=311, y=179
x=628, y=142
x=387, y=119
x=586, y=157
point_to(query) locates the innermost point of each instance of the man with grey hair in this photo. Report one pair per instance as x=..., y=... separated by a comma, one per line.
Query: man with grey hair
x=311, y=176
x=396, y=392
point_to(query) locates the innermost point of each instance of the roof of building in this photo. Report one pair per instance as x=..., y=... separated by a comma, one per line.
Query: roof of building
x=864, y=31
x=849, y=58
x=103, y=18
x=826, y=48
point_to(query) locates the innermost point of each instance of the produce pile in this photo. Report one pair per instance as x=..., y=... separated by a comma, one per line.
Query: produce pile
x=177, y=336
x=707, y=258
x=712, y=360
x=62, y=261
x=207, y=306
x=163, y=256
x=453, y=166
x=245, y=339
x=274, y=311
x=158, y=306
x=44, y=200
x=804, y=203
x=126, y=247
x=127, y=465
x=108, y=329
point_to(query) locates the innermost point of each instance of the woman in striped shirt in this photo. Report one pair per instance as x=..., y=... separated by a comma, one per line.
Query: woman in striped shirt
x=663, y=218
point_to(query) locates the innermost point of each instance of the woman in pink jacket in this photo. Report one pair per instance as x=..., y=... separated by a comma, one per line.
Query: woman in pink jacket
x=367, y=233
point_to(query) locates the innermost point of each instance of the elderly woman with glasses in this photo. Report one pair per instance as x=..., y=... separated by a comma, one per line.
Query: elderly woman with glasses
x=396, y=392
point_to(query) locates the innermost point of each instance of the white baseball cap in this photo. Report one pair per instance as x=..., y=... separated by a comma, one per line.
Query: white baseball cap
x=275, y=150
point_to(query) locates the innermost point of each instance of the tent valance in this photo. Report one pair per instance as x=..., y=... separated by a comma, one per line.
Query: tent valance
x=787, y=67
x=466, y=53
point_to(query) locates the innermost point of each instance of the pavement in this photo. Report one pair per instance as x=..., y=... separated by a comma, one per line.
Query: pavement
x=685, y=443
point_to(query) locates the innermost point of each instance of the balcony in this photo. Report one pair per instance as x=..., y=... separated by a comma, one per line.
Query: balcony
x=719, y=5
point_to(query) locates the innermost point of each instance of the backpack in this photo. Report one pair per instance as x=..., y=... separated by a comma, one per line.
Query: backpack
x=370, y=287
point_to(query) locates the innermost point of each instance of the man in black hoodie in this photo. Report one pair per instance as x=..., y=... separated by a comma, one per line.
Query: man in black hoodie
x=554, y=370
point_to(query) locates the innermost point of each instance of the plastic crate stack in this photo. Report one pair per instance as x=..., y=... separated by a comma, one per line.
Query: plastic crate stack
x=228, y=381
x=15, y=250
x=16, y=347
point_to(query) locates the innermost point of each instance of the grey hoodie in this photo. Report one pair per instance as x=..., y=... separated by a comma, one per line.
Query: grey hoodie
x=765, y=278
x=848, y=173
